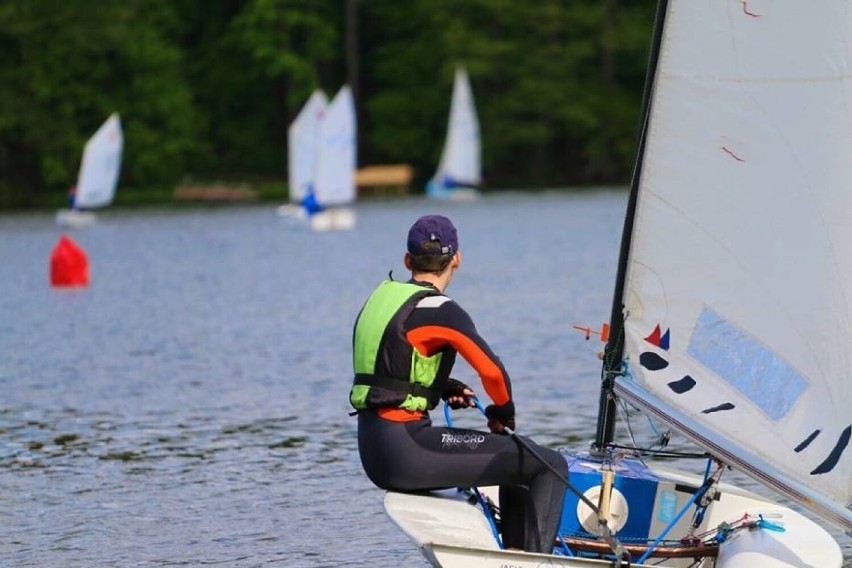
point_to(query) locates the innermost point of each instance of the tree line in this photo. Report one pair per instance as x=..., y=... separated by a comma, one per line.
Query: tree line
x=207, y=88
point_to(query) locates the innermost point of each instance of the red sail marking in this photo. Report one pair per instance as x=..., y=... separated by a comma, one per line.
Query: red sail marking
x=654, y=338
x=731, y=154
x=746, y=11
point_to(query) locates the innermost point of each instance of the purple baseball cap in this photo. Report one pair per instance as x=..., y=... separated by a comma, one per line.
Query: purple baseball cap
x=433, y=234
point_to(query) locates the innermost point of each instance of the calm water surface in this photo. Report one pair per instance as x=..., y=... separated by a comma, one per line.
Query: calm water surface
x=190, y=406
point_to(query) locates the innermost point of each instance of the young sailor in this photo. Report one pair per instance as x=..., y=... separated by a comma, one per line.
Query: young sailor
x=405, y=343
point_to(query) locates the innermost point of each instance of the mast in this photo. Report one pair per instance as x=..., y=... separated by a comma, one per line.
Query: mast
x=614, y=350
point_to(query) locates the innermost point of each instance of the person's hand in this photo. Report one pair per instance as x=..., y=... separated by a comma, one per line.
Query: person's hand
x=500, y=417
x=458, y=395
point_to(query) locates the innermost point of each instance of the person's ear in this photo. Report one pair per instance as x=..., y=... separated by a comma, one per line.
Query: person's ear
x=407, y=261
x=456, y=260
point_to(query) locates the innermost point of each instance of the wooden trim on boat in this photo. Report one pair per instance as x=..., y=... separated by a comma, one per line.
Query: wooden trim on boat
x=601, y=547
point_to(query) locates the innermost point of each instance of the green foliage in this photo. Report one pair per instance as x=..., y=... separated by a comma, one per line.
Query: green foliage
x=405, y=115
x=66, y=67
x=288, y=40
x=551, y=110
x=252, y=65
x=207, y=88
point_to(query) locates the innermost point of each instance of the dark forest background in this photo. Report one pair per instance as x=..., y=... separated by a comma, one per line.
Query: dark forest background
x=207, y=88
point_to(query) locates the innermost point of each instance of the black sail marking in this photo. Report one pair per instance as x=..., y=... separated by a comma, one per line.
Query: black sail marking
x=835, y=454
x=725, y=406
x=683, y=385
x=807, y=441
x=652, y=361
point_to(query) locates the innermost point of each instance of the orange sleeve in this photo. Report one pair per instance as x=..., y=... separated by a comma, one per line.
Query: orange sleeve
x=429, y=339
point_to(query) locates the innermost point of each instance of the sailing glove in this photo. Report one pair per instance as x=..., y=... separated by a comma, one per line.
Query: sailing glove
x=455, y=394
x=500, y=416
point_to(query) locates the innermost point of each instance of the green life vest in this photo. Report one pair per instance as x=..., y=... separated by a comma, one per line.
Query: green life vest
x=379, y=324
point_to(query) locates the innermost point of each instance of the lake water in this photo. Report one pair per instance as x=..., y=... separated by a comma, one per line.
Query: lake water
x=190, y=406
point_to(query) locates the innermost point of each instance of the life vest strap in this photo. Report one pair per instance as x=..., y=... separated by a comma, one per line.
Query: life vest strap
x=399, y=386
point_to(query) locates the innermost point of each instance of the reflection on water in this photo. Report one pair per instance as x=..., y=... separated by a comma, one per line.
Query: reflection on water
x=190, y=406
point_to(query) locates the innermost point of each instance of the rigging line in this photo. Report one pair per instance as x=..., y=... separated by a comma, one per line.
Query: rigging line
x=486, y=509
x=662, y=453
x=698, y=495
x=606, y=533
x=564, y=545
x=614, y=349
x=641, y=453
x=702, y=504
x=521, y=442
x=625, y=372
x=626, y=417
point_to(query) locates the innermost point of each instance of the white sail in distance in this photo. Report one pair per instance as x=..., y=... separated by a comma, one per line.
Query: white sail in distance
x=302, y=137
x=738, y=289
x=100, y=165
x=334, y=176
x=460, y=160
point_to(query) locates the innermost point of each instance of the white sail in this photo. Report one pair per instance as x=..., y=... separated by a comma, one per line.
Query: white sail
x=100, y=166
x=302, y=145
x=741, y=248
x=334, y=179
x=460, y=161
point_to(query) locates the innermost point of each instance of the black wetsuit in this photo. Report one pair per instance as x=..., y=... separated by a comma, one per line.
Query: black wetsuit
x=401, y=450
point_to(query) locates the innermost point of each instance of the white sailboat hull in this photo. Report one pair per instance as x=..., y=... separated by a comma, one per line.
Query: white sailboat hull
x=75, y=219
x=291, y=211
x=437, y=191
x=334, y=219
x=452, y=533
x=460, y=557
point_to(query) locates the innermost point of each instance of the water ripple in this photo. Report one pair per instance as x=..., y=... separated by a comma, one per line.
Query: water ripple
x=189, y=408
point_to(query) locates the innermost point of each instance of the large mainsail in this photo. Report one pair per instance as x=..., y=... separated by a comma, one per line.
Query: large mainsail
x=100, y=166
x=738, y=276
x=302, y=145
x=336, y=154
x=460, y=161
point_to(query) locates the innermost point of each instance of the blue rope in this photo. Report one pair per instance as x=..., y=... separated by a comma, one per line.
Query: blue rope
x=698, y=494
x=564, y=548
x=700, y=509
x=764, y=524
x=486, y=509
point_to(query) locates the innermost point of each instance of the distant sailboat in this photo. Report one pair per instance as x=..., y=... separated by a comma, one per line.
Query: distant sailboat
x=98, y=176
x=302, y=145
x=460, y=170
x=334, y=170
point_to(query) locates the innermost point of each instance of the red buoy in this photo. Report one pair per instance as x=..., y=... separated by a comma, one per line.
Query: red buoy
x=69, y=265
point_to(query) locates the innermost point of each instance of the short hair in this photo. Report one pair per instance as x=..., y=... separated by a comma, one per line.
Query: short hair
x=431, y=262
